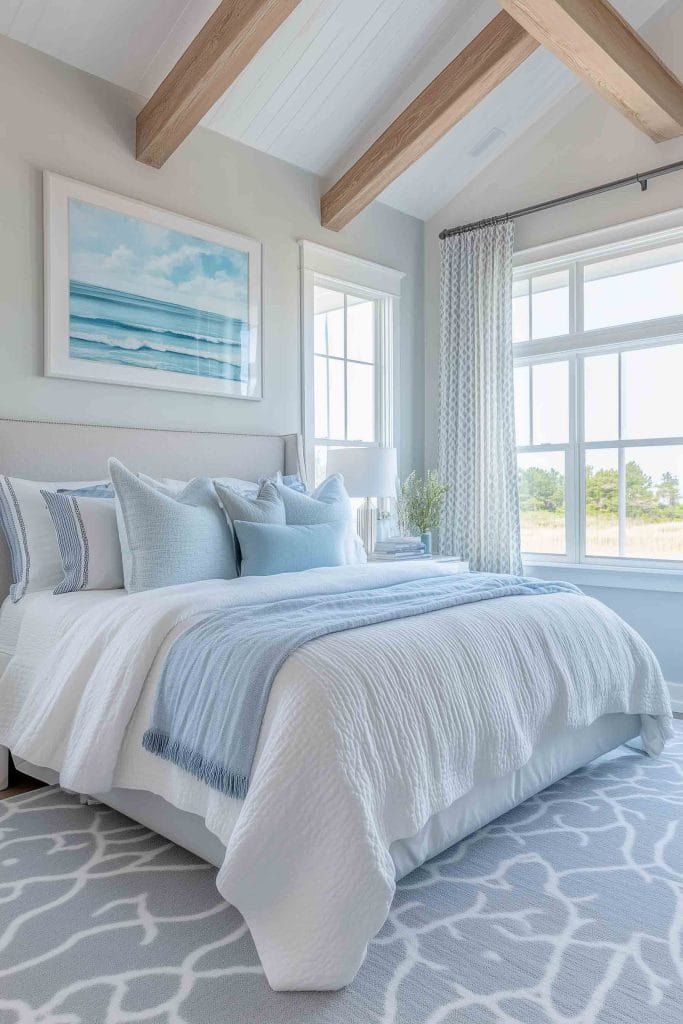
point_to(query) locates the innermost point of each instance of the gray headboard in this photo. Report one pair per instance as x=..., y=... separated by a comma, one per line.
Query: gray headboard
x=77, y=451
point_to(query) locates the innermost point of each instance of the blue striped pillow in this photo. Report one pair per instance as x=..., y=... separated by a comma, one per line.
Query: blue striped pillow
x=88, y=541
x=29, y=533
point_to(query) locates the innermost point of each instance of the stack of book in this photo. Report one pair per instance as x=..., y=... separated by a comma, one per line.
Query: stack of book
x=395, y=549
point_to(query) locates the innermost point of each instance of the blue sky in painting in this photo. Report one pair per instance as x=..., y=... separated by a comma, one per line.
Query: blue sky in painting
x=113, y=250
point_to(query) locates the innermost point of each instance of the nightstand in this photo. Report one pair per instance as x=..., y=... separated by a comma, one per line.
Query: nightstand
x=456, y=564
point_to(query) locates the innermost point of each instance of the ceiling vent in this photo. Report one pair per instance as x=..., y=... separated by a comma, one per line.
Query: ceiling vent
x=487, y=141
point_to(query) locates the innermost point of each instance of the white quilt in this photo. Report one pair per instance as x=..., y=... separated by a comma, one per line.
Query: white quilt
x=368, y=733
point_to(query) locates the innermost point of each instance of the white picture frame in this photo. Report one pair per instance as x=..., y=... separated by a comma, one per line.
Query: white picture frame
x=155, y=331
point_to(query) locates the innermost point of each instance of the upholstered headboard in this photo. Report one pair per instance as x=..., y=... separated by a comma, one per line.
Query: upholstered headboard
x=76, y=451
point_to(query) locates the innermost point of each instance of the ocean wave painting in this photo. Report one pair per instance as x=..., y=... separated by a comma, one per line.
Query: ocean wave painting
x=147, y=301
x=106, y=325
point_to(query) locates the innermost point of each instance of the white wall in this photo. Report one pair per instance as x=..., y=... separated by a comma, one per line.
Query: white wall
x=54, y=117
x=580, y=145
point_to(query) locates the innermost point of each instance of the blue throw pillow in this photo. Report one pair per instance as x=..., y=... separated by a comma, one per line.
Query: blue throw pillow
x=264, y=507
x=328, y=503
x=168, y=539
x=91, y=491
x=268, y=549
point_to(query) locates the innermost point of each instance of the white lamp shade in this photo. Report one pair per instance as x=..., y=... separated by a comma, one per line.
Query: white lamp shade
x=368, y=472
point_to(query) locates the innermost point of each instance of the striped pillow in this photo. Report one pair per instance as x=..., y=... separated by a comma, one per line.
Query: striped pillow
x=88, y=541
x=29, y=533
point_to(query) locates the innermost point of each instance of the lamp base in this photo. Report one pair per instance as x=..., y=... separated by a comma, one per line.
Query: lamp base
x=366, y=524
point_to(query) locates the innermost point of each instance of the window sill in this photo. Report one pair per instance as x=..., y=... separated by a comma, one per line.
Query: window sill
x=667, y=580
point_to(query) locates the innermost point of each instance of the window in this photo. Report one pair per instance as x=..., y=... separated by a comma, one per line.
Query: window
x=349, y=327
x=598, y=405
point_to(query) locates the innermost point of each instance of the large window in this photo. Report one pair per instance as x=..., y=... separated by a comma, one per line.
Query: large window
x=349, y=327
x=599, y=405
x=346, y=370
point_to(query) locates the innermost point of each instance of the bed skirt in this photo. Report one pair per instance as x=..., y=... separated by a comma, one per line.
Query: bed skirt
x=552, y=759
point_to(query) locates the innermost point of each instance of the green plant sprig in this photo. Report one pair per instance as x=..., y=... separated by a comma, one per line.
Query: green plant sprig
x=420, y=502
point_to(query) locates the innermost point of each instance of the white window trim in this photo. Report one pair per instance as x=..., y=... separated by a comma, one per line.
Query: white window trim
x=648, y=230
x=572, y=254
x=320, y=265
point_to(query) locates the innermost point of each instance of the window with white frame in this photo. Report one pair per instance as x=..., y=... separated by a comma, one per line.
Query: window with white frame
x=599, y=404
x=350, y=313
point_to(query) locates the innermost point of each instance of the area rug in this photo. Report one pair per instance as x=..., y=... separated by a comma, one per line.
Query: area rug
x=567, y=910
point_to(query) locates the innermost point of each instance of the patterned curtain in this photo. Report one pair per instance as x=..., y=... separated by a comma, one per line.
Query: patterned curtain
x=477, y=457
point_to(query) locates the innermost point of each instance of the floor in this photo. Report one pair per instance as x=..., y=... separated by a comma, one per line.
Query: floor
x=566, y=910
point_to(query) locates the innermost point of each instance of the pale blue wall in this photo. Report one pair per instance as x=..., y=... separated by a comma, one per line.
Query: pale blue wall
x=80, y=126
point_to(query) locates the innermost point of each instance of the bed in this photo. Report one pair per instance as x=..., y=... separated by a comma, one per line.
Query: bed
x=380, y=746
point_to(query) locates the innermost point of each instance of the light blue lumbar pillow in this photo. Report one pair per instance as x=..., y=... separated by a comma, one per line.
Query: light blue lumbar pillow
x=168, y=539
x=268, y=549
x=328, y=503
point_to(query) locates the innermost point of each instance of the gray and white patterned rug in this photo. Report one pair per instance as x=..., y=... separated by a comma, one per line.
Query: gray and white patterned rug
x=568, y=910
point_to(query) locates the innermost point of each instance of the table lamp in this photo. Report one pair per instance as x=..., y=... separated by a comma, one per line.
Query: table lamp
x=369, y=472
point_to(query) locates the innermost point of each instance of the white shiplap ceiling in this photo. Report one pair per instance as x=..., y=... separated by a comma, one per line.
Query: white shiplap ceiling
x=329, y=81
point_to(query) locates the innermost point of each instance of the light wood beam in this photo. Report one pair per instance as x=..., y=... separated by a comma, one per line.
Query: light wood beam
x=231, y=37
x=592, y=39
x=480, y=67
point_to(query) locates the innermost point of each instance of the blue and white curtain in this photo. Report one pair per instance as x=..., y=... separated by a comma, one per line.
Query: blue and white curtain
x=477, y=456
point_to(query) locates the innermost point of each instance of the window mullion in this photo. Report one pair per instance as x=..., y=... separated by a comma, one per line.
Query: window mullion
x=622, y=500
x=346, y=368
x=327, y=385
x=578, y=297
x=621, y=464
x=573, y=490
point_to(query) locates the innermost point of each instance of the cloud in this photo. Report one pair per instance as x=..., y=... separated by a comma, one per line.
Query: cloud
x=121, y=258
x=179, y=263
x=116, y=251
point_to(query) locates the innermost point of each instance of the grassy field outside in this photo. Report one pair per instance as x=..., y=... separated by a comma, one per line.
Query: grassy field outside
x=544, y=533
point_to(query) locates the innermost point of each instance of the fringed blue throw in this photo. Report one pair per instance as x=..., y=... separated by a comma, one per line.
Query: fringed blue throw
x=216, y=680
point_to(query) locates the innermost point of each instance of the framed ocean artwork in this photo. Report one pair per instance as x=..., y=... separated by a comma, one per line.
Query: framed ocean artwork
x=140, y=296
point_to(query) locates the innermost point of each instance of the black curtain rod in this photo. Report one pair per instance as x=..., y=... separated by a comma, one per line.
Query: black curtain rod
x=633, y=179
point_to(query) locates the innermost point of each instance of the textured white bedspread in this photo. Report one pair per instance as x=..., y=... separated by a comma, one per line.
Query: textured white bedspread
x=367, y=734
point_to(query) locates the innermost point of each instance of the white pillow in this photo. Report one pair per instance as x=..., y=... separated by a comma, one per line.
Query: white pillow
x=88, y=540
x=176, y=486
x=30, y=535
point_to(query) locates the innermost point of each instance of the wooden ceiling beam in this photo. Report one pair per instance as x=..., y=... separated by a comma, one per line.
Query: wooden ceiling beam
x=592, y=39
x=480, y=67
x=231, y=37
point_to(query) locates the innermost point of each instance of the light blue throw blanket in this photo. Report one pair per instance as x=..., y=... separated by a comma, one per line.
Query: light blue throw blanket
x=216, y=680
